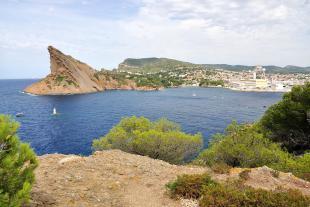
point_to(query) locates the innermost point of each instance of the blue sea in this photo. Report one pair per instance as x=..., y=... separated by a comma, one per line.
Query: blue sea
x=85, y=117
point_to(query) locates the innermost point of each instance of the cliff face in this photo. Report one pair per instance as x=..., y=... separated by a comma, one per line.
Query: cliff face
x=71, y=76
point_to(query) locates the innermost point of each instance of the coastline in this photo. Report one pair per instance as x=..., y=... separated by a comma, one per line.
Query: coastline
x=156, y=89
x=81, y=93
x=259, y=90
x=241, y=90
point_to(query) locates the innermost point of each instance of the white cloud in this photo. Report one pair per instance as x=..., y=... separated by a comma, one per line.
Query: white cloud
x=237, y=32
x=202, y=31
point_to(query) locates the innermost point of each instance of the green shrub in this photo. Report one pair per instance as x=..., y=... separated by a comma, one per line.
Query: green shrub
x=227, y=195
x=242, y=146
x=298, y=165
x=221, y=168
x=59, y=78
x=161, y=139
x=288, y=121
x=235, y=194
x=246, y=146
x=207, y=82
x=17, y=163
x=122, y=135
x=189, y=186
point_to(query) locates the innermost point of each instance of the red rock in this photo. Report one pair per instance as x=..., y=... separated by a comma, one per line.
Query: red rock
x=71, y=76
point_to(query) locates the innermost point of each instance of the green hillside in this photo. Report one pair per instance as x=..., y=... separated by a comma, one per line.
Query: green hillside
x=269, y=68
x=152, y=65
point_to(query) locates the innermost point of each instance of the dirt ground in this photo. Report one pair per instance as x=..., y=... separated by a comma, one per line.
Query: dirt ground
x=117, y=179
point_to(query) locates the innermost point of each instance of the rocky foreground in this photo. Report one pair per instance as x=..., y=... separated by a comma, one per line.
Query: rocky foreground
x=118, y=179
x=71, y=76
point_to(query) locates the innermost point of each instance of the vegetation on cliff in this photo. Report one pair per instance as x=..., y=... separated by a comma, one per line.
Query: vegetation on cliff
x=246, y=146
x=17, y=163
x=212, y=193
x=284, y=124
x=161, y=139
x=241, y=146
x=270, y=68
x=152, y=65
x=207, y=82
x=288, y=121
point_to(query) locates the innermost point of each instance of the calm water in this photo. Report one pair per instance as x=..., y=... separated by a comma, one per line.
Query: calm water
x=85, y=117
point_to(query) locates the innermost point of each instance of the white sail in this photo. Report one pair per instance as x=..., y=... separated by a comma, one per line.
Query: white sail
x=54, y=111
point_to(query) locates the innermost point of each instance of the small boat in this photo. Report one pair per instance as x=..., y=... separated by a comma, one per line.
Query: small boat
x=54, y=111
x=194, y=94
x=21, y=114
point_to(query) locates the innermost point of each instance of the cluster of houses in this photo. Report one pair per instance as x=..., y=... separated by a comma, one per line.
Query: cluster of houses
x=258, y=80
x=252, y=80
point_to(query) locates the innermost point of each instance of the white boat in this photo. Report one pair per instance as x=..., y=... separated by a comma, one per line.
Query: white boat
x=21, y=114
x=54, y=111
x=194, y=94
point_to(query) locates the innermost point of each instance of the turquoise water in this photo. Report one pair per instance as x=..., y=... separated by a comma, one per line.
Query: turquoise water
x=85, y=117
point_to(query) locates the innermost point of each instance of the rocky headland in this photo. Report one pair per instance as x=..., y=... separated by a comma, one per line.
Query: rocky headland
x=114, y=178
x=71, y=76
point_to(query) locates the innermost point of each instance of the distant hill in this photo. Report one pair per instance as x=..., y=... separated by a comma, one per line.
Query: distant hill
x=269, y=68
x=154, y=64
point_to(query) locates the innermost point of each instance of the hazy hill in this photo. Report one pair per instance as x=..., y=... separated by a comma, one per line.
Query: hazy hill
x=270, y=68
x=157, y=64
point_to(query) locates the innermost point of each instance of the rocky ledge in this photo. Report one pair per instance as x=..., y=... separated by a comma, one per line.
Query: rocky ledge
x=118, y=179
x=71, y=76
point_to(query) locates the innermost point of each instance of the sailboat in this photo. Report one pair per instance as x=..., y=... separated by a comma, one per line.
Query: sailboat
x=54, y=111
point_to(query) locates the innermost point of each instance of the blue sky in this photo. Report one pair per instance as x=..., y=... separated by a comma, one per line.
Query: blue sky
x=104, y=32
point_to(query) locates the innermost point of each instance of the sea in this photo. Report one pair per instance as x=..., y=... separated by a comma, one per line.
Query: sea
x=82, y=118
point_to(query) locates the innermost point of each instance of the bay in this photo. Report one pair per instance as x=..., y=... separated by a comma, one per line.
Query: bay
x=85, y=117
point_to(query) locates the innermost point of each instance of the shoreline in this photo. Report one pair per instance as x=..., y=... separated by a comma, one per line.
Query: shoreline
x=156, y=89
x=236, y=89
x=258, y=90
x=82, y=93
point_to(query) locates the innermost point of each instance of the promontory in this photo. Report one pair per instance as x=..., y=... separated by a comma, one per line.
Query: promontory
x=71, y=76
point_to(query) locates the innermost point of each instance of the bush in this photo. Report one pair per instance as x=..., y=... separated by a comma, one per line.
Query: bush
x=225, y=195
x=161, y=139
x=246, y=146
x=17, y=163
x=298, y=165
x=189, y=186
x=207, y=82
x=211, y=193
x=221, y=168
x=288, y=121
x=241, y=146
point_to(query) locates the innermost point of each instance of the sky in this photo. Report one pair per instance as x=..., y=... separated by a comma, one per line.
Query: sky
x=103, y=33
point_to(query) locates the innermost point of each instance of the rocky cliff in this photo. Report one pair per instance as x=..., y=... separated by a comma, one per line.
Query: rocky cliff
x=118, y=179
x=71, y=76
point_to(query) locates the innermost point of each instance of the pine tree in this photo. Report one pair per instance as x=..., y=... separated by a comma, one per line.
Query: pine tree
x=288, y=121
x=17, y=163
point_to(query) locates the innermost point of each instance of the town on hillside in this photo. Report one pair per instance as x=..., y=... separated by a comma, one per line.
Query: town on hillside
x=258, y=79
